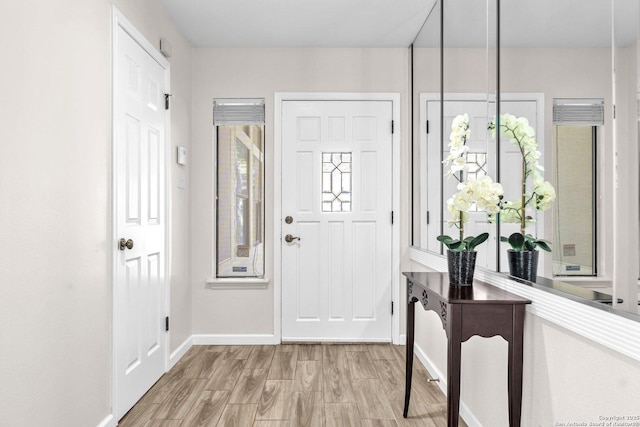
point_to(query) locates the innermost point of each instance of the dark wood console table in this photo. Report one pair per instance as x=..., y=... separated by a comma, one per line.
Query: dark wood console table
x=466, y=311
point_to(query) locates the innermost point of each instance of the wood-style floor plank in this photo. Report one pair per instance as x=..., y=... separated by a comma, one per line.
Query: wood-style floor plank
x=249, y=386
x=372, y=404
x=138, y=415
x=342, y=415
x=272, y=423
x=163, y=423
x=308, y=376
x=310, y=352
x=238, y=415
x=283, y=365
x=361, y=365
x=359, y=385
x=238, y=351
x=391, y=374
x=208, y=409
x=178, y=404
x=308, y=410
x=226, y=375
x=383, y=352
x=260, y=357
x=276, y=400
x=335, y=375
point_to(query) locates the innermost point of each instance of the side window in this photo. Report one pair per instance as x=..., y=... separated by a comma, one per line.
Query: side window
x=239, y=140
x=575, y=130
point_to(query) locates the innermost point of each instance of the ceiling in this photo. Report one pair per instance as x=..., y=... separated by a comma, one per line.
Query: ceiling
x=299, y=23
x=395, y=23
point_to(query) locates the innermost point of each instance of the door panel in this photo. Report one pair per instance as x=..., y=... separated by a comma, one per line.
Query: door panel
x=139, y=168
x=336, y=184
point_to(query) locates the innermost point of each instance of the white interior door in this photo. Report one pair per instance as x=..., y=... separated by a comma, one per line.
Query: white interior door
x=336, y=189
x=139, y=293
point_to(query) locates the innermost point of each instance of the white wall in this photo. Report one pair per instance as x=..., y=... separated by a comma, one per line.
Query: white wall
x=567, y=378
x=259, y=73
x=55, y=212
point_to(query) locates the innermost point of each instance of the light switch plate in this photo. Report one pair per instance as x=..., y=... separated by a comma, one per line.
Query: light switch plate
x=182, y=156
x=181, y=179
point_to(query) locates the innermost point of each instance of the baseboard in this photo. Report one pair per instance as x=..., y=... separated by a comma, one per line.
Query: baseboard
x=234, y=339
x=402, y=340
x=465, y=413
x=180, y=351
x=109, y=421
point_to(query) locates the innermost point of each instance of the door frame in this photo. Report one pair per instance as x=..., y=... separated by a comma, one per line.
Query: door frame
x=396, y=138
x=120, y=21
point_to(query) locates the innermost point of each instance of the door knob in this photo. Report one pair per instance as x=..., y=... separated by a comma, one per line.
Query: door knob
x=126, y=244
x=289, y=238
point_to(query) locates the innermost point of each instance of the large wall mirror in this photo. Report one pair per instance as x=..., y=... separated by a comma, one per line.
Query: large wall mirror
x=572, y=68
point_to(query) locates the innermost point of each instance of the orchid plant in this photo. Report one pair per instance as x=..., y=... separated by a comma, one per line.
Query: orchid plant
x=482, y=192
x=520, y=133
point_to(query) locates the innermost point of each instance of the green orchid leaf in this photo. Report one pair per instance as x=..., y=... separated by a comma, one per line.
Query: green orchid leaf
x=516, y=240
x=475, y=241
x=456, y=246
x=444, y=238
x=504, y=239
x=543, y=245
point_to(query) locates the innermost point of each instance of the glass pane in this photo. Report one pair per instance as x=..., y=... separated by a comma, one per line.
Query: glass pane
x=573, y=253
x=336, y=182
x=239, y=203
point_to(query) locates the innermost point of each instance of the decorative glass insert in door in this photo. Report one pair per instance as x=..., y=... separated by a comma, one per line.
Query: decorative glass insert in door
x=336, y=182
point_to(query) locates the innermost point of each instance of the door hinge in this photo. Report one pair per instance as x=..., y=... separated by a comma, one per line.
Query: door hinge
x=391, y=217
x=392, y=127
x=166, y=100
x=427, y=217
x=166, y=324
x=427, y=126
x=392, y=308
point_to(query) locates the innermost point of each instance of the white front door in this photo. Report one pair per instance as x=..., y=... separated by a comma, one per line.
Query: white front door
x=139, y=286
x=336, y=206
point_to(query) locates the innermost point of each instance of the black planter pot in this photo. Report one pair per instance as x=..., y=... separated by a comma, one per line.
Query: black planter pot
x=461, y=267
x=523, y=265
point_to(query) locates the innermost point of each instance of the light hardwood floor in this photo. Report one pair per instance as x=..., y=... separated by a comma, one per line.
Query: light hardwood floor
x=289, y=386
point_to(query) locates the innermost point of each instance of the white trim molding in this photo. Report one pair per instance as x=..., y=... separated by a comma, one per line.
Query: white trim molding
x=279, y=98
x=179, y=352
x=235, y=339
x=237, y=283
x=108, y=421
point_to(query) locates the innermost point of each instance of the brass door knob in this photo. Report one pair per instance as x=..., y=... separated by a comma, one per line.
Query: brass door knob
x=289, y=238
x=126, y=244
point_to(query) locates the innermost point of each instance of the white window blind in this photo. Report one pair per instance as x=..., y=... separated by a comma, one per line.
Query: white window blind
x=238, y=112
x=578, y=111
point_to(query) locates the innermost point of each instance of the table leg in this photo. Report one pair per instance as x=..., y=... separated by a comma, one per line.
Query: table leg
x=515, y=367
x=411, y=314
x=453, y=368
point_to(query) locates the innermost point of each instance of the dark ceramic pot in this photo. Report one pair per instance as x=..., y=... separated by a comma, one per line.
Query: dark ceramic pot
x=461, y=267
x=523, y=265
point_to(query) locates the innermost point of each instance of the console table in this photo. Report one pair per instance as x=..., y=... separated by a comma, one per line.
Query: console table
x=466, y=311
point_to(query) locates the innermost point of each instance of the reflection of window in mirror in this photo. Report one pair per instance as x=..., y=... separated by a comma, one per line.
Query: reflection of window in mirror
x=575, y=133
x=240, y=190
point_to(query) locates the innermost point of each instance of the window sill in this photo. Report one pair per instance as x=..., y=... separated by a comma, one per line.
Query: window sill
x=237, y=283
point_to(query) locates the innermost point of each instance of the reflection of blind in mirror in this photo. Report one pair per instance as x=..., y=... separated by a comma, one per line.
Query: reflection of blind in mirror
x=238, y=111
x=578, y=111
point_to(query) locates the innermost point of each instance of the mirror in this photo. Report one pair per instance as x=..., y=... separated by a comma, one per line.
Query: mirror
x=557, y=70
